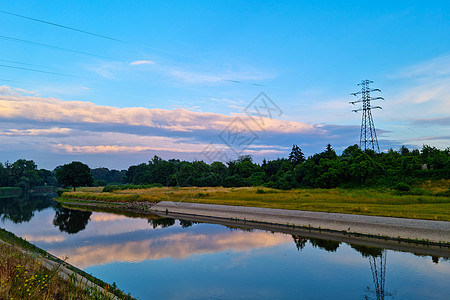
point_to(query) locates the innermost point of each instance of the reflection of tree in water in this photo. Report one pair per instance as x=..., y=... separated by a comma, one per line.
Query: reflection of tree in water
x=377, y=261
x=300, y=243
x=70, y=220
x=186, y=224
x=330, y=246
x=434, y=258
x=163, y=222
x=22, y=209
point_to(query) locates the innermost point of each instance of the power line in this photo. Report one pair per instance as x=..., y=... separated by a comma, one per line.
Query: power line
x=45, y=72
x=104, y=37
x=108, y=38
x=15, y=81
x=21, y=63
x=89, y=33
x=11, y=39
x=63, y=26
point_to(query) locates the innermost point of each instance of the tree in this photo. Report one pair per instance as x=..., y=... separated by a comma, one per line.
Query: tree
x=296, y=156
x=74, y=174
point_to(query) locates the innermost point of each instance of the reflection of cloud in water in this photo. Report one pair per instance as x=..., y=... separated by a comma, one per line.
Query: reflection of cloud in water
x=44, y=238
x=105, y=217
x=178, y=246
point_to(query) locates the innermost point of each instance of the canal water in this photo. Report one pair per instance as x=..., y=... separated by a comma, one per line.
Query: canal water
x=162, y=258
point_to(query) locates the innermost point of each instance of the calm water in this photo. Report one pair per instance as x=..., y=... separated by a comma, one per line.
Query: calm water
x=173, y=259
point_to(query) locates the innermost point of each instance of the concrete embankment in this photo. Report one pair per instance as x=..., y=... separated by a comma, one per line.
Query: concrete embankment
x=437, y=232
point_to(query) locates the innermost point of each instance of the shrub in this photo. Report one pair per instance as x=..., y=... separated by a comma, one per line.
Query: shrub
x=443, y=193
x=112, y=188
x=402, y=187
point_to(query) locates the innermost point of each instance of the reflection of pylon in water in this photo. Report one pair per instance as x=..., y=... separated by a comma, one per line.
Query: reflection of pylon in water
x=378, y=268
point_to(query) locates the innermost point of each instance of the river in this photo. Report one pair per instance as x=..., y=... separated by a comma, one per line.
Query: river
x=163, y=258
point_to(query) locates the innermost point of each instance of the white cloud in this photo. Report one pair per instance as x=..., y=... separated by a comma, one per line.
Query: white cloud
x=142, y=62
x=181, y=120
x=75, y=128
x=114, y=149
x=437, y=67
x=35, y=132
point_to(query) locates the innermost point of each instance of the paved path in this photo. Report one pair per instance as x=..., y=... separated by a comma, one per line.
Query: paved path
x=435, y=231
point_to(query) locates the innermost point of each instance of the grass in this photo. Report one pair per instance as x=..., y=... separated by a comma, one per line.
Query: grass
x=23, y=276
x=422, y=204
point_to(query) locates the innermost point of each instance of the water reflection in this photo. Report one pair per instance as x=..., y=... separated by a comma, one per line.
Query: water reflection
x=161, y=222
x=71, y=221
x=222, y=262
x=22, y=209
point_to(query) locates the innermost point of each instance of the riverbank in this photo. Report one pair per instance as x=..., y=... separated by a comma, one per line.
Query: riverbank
x=400, y=229
x=28, y=271
x=427, y=201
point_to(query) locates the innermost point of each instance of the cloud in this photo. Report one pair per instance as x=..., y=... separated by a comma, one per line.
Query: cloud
x=429, y=83
x=55, y=131
x=54, y=110
x=59, y=131
x=142, y=62
x=436, y=67
x=201, y=77
x=114, y=149
x=445, y=121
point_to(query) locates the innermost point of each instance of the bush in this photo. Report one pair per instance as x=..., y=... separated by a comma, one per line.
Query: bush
x=444, y=193
x=112, y=188
x=100, y=182
x=402, y=187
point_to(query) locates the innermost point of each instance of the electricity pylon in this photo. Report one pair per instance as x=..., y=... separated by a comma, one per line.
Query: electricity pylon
x=368, y=136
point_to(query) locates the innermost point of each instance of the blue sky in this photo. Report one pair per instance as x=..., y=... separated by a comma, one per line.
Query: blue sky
x=173, y=76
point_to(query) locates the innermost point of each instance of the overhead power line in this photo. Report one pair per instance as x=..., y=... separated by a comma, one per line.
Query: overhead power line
x=21, y=63
x=45, y=72
x=11, y=39
x=63, y=26
x=103, y=37
x=90, y=33
x=15, y=81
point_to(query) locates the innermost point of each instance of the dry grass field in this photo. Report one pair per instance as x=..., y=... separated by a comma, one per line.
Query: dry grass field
x=422, y=202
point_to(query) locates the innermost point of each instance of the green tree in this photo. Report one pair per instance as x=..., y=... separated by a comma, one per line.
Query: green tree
x=296, y=156
x=74, y=174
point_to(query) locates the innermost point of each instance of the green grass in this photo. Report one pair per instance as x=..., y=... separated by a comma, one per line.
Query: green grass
x=424, y=204
x=23, y=276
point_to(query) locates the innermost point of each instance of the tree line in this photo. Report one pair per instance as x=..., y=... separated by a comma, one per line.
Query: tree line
x=354, y=167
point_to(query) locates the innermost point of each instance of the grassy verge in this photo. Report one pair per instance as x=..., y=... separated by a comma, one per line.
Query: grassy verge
x=426, y=201
x=23, y=275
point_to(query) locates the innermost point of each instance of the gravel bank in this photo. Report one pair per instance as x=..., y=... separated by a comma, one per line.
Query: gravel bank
x=412, y=229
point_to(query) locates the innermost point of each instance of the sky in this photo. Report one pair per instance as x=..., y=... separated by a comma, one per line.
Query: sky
x=113, y=83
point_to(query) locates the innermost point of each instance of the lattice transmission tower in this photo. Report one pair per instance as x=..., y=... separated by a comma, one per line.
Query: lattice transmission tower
x=368, y=137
